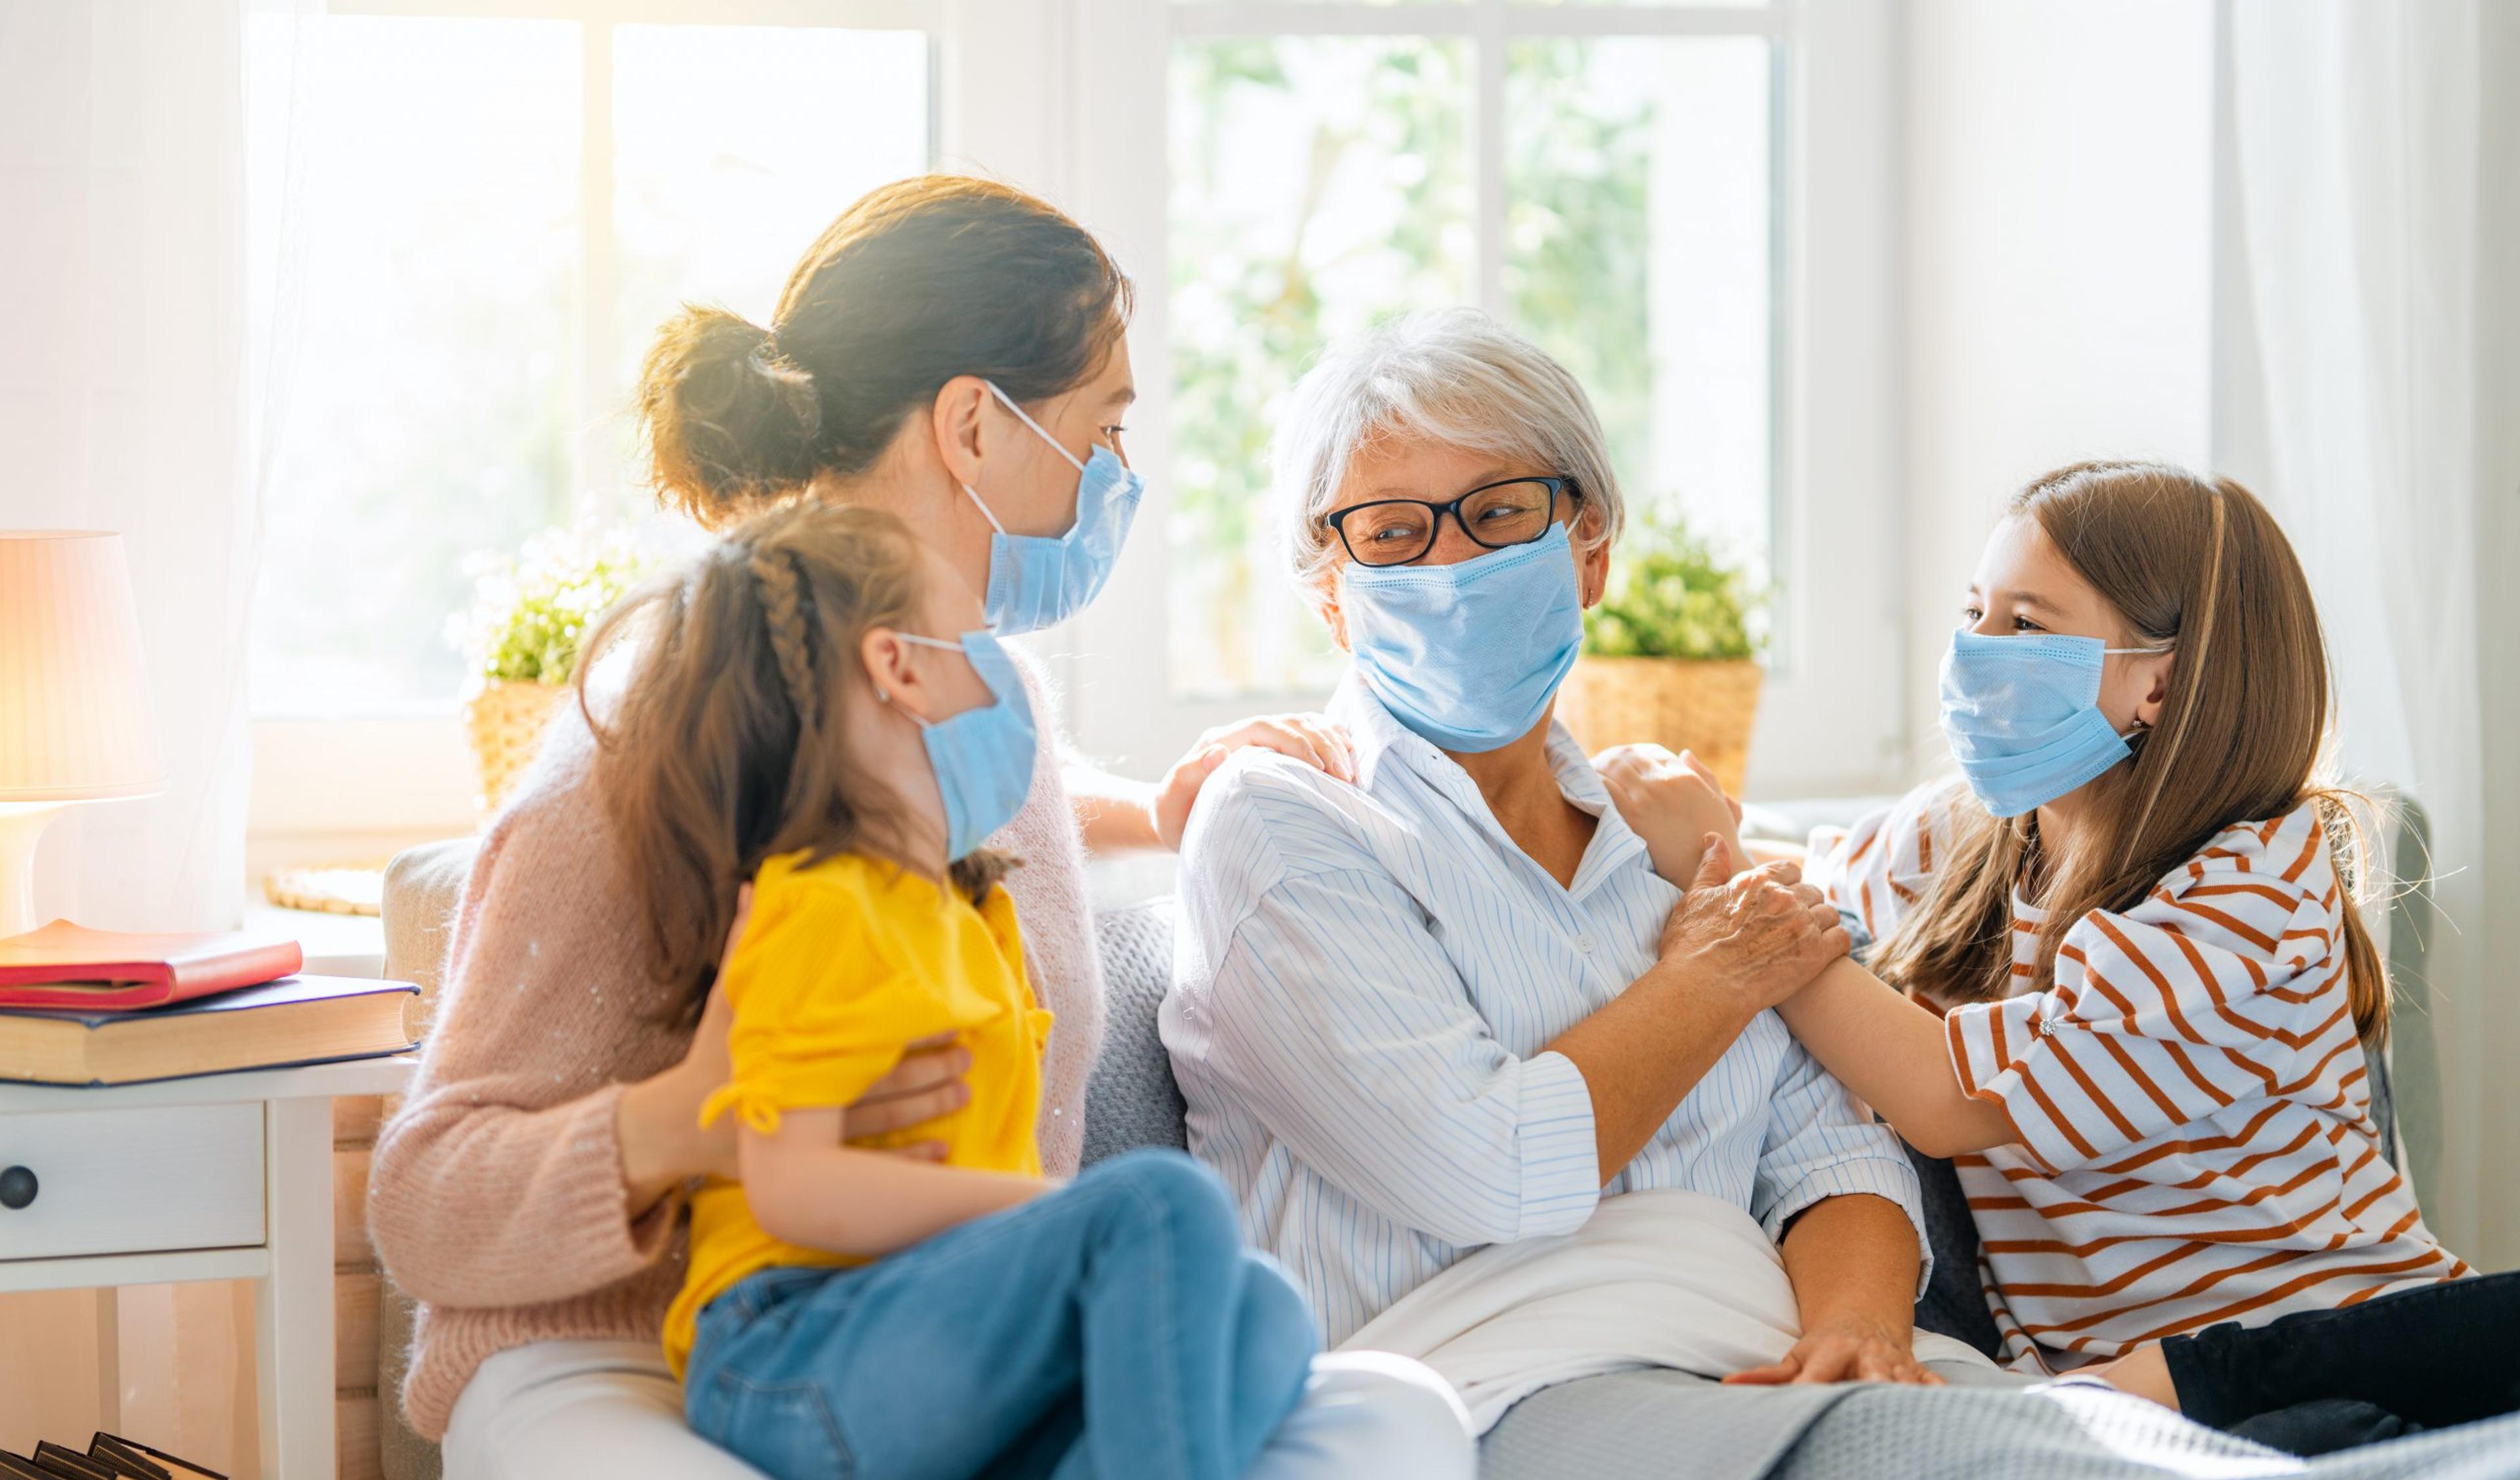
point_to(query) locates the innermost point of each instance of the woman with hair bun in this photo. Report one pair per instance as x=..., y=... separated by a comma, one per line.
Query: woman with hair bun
x=951, y=351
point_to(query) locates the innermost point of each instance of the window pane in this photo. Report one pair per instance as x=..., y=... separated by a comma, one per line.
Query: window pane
x=1638, y=233
x=734, y=146
x=439, y=406
x=427, y=415
x=1318, y=183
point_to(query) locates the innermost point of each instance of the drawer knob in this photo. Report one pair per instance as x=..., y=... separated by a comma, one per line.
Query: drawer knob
x=16, y=1187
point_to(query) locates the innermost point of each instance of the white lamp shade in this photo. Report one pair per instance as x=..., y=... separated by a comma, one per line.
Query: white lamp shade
x=75, y=717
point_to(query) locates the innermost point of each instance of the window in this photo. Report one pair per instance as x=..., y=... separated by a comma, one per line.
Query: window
x=1691, y=202
x=1611, y=196
x=495, y=213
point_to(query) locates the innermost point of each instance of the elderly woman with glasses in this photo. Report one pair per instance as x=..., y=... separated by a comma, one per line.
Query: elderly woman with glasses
x=1453, y=1004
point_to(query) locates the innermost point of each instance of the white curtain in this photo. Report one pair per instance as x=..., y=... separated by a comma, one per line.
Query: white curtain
x=135, y=345
x=2368, y=385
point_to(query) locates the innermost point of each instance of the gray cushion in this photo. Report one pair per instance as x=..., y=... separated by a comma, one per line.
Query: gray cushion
x=1131, y=1101
x=423, y=887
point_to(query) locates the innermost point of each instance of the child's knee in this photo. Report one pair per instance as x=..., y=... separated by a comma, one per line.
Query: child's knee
x=1276, y=1327
x=1172, y=1190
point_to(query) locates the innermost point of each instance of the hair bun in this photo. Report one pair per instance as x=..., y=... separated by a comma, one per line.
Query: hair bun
x=729, y=419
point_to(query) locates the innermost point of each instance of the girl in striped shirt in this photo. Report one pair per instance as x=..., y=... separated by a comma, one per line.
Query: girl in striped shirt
x=2138, y=991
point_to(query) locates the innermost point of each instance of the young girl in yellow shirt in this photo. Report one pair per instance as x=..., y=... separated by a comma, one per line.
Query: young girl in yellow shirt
x=795, y=715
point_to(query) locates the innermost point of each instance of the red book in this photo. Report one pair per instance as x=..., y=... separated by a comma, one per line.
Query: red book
x=68, y=966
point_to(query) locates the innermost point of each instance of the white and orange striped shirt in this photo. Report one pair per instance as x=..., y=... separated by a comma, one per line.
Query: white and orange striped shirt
x=2197, y=1144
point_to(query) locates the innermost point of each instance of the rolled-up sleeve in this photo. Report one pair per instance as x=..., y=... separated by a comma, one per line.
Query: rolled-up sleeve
x=1822, y=1142
x=1334, y=1018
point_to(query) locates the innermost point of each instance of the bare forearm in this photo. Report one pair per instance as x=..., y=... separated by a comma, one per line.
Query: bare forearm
x=1891, y=1051
x=1853, y=1259
x=1642, y=1054
x=867, y=1202
x=1114, y=813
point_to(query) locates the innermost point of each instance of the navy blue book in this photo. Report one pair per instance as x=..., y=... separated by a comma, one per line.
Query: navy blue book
x=294, y=1020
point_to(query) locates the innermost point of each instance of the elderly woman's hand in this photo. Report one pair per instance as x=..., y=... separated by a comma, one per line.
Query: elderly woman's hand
x=1753, y=937
x=1672, y=802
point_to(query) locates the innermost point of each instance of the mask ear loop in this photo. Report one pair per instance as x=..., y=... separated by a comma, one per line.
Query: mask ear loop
x=2134, y=736
x=974, y=494
x=1027, y=419
x=983, y=508
x=883, y=695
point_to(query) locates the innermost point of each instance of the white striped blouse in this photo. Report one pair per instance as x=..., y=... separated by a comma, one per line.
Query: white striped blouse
x=1367, y=978
x=2191, y=1095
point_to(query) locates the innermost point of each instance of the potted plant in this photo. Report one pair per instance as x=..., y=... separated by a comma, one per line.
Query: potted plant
x=531, y=612
x=1670, y=654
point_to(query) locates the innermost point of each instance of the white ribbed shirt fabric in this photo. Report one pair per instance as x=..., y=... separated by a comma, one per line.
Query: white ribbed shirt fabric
x=1367, y=979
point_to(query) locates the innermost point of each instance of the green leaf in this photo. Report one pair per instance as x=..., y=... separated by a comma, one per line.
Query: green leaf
x=1669, y=596
x=532, y=611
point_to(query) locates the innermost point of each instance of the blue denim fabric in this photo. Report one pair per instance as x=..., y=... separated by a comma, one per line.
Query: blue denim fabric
x=1116, y=1328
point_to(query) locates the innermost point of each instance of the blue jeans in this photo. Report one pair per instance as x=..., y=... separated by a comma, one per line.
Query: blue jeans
x=1114, y=1329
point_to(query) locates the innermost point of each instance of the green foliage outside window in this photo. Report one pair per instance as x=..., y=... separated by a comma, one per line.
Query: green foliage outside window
x=1670, y=596
x=531, y=610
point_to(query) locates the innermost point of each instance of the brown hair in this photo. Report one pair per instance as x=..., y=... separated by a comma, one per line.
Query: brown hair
x=2243, y=735
x=725, y=747
x=918, y=281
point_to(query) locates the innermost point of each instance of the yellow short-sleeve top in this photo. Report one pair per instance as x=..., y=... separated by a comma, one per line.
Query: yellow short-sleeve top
x=842, y=965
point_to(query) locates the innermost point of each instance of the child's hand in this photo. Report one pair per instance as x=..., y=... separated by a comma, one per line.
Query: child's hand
x=1672, y=802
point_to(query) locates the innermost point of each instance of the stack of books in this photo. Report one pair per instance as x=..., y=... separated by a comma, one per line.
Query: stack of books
x=108, y=1458
x=80, y=1006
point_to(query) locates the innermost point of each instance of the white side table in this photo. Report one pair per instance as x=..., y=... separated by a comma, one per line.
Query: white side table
x=223, y=1177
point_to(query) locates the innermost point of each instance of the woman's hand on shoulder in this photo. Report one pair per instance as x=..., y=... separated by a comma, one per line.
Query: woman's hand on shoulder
x=1307, y=738
x=1671, y=801
x=1756, y=935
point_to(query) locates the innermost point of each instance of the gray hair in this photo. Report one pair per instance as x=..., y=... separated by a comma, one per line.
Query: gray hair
x=1453, y=376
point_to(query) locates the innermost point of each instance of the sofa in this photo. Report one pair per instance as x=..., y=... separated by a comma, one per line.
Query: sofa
x=1132, y=1099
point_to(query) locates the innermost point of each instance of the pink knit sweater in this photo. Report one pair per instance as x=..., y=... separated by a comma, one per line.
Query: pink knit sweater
x=496, y=1198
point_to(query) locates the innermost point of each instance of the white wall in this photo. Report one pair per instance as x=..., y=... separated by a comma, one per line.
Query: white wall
x=2060, y=267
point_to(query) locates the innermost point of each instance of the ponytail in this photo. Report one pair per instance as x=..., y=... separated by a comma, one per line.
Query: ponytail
x=917, y=283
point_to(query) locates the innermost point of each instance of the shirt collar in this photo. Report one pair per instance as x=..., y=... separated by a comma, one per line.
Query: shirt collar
x=1380, y=738
x=1376, y=732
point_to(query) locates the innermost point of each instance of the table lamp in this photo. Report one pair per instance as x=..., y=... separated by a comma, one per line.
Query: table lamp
x=74, y=718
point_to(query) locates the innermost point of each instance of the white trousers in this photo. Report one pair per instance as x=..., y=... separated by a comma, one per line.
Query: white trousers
x=557, y=1410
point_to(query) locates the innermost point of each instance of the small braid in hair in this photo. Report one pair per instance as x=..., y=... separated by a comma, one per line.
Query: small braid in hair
x=785, y=601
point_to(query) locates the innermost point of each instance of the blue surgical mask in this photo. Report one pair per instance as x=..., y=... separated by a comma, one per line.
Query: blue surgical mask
x=1038, y=581
x=1467, y=656
x=2023, y=716
x=984, y=757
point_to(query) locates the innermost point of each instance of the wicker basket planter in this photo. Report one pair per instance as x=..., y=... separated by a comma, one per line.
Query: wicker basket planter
x=505, y=720
x=1707, y=707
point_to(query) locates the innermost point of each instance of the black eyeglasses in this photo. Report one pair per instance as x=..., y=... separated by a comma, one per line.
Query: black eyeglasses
x=1495, y=516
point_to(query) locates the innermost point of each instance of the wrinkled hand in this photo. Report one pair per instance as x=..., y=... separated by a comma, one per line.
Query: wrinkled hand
x=1671, y=801
x=1307, y=738
x=1754, y=936
x=1846, y=1351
